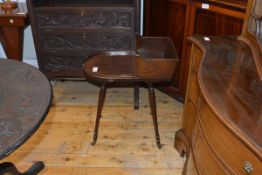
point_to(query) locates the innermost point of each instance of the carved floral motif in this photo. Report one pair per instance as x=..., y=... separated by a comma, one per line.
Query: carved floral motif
x=64, y=62
x=92, y=19
x=88, y=41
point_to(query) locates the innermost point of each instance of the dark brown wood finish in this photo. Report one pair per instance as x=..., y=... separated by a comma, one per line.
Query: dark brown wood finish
x=180, y=19
x=128, y=68
x=218, y=24
x=113, y=68
x=167, y=18
x=67, y=32
x=12, y=24
x=155, y=60
x=25, y=100
x=157, y=66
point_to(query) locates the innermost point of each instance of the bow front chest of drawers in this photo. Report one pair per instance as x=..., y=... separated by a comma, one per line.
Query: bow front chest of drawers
x=67, y=32
x=221, y=130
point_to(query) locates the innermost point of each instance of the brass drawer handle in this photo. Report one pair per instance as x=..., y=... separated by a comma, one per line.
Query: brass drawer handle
x=248, y=167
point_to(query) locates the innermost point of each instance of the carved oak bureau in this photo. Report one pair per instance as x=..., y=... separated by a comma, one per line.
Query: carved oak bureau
x=66, y=32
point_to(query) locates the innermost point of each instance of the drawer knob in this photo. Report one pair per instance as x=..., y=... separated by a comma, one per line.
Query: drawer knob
x=11, y=21
x=248, y=167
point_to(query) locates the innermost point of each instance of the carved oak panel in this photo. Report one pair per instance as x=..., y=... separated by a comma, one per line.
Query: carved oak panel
x=91, y=19
x=87, y=41
x=64, y=62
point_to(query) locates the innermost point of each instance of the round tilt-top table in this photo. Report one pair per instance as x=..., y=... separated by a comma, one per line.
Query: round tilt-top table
x=25, y=98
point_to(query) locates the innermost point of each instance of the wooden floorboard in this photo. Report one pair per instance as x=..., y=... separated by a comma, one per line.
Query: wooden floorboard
x=126, y=142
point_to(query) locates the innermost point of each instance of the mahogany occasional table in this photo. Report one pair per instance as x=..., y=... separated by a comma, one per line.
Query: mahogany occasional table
x=12, y=24
x=25, y=98
x=119, y=68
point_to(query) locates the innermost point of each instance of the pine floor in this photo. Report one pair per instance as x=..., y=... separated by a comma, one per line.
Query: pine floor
x=126, y=142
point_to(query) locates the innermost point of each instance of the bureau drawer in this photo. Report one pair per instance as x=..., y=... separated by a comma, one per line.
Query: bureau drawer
x=86, y=41
x=85, y=18
x=234, y=153
x=203, y=155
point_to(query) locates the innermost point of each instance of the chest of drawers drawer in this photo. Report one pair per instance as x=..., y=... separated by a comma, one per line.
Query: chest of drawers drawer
x=204, y=156
x=227, y=146
x=102, y=18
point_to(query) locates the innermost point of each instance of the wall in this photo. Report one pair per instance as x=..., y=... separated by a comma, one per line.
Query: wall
x=29, y=54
